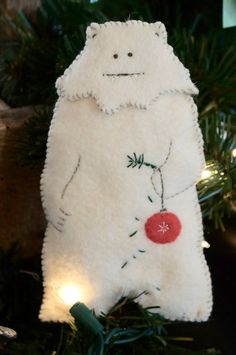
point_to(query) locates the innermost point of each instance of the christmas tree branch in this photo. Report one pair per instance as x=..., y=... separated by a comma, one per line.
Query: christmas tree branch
x=138, y=161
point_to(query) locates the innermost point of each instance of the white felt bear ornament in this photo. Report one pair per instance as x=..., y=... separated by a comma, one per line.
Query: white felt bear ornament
x=119, y=185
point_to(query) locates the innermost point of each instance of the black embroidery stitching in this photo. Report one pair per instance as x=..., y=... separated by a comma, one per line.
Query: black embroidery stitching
x=161, y=177
x=168, y=155
x=162, y=190
x=162, y=187
x=71, y=178
x=54, y=226
x=132, y=234
x=65, y=213
x=123, y=74
x=180, y=192
x=124, y=265
x=139, y=160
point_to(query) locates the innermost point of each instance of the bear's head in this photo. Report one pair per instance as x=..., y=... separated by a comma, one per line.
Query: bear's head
x=125, y=64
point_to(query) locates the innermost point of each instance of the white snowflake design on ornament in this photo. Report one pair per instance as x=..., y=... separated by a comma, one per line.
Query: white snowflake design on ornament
x=163, y=227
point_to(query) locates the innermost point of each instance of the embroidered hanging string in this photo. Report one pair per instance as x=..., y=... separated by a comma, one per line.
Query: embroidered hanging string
x=162, y=227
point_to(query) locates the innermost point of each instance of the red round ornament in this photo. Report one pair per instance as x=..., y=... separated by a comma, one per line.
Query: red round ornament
x=163, y=227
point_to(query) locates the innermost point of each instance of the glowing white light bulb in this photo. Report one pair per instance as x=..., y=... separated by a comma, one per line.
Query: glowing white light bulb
x=233, y=153
x=69, y=294
x=205, y=244
x=206, y=173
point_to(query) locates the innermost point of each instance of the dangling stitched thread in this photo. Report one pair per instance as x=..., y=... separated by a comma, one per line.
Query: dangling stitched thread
x=163, y=227
x=132, y=234
x=124, y=265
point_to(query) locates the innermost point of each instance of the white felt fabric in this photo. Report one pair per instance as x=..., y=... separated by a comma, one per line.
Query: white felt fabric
x=94, y=202
x=153, y=64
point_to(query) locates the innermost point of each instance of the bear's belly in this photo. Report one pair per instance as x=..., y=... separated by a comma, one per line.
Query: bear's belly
x=109, y=192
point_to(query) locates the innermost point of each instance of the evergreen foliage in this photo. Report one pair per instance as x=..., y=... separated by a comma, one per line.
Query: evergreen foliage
x=129, y=329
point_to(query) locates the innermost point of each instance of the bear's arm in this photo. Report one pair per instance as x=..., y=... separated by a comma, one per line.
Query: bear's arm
x=61, y=165
x=186, y=159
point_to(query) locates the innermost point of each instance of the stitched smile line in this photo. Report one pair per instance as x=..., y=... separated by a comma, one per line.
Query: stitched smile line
x=123, y=74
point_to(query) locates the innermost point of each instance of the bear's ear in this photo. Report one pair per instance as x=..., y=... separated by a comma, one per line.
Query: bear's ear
x=92, y=30
x=159, y=30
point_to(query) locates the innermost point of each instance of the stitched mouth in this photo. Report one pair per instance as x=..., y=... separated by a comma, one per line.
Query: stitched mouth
x=123, y=74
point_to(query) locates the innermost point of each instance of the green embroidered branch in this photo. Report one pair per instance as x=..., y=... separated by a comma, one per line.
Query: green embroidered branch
x=138, y=161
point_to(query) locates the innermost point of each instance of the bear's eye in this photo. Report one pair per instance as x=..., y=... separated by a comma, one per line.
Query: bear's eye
x=130, y=54
x=115, y=55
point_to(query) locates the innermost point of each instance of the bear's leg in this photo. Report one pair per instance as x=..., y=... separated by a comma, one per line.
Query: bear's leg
x=56, y=308
x=106, y=298
x=187, y=294
x=186, y=285
x=184, y=292
x=69, y=279
x=184, y=279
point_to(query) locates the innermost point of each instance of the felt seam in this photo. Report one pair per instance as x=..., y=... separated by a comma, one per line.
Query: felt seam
x=76, y=97
x=42, y=181
x=203, y=260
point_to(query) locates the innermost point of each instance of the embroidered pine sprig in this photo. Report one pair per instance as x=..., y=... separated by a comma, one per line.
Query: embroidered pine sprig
x=138, y=161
